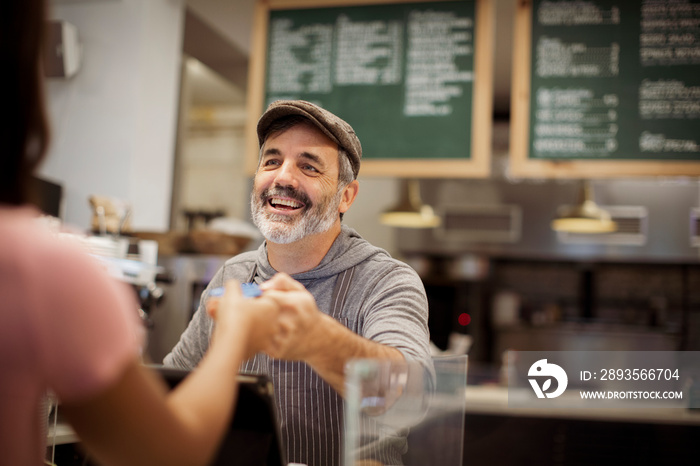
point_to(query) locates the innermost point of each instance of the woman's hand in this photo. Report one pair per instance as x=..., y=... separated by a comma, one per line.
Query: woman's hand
x=260, y=316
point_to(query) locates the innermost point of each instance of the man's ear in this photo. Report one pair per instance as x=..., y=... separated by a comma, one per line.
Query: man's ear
x=349, y=195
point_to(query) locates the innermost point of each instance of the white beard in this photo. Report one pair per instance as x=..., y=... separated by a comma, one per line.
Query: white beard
x=283, y=229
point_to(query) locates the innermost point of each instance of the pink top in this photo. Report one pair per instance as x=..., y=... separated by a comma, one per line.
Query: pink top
x=65, y=325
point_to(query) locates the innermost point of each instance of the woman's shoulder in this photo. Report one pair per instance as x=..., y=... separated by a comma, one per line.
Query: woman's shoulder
x=41, y=256
x=27, y=238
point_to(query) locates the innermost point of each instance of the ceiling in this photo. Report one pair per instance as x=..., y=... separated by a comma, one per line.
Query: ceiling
x=216, y=69
x=230, y=18
x=218, y=33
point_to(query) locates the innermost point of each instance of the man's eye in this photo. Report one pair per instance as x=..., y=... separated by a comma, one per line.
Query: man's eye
x=310, y=168
x=271, y=163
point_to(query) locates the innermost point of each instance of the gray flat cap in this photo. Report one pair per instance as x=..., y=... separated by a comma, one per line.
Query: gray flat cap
x=335, y=128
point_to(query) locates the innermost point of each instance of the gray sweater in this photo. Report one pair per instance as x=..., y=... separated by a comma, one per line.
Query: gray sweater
x=384, y=301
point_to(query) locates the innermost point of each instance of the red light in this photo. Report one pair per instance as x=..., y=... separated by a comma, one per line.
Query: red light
x=464, y=319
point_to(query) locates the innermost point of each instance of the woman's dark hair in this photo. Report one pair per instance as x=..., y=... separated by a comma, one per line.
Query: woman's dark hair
x=24, y=133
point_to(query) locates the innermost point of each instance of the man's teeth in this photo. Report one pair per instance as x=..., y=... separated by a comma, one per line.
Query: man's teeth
x=285, y=202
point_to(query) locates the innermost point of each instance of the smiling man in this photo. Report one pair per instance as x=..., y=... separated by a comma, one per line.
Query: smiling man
x=344, y=298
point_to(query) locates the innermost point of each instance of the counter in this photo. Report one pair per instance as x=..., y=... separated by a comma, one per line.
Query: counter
x=496, y=434
x=493, y=400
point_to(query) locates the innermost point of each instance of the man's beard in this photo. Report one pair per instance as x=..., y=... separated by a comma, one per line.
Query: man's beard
x=314, y=218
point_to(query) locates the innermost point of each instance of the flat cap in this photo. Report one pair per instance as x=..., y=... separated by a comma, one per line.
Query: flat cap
x=335, y=128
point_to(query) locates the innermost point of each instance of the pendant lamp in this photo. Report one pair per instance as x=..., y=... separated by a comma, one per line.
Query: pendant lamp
x=410, y=212
x=584, y=217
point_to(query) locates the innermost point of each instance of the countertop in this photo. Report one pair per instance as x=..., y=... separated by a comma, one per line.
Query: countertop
x=492, y=399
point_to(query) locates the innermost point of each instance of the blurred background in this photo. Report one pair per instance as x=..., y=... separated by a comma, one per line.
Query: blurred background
x=155, y=115
x=150, y=128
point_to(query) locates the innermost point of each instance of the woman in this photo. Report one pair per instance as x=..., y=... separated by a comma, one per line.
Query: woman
x=65, y=326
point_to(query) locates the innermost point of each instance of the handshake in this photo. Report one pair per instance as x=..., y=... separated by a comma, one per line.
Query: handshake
x=283, y=319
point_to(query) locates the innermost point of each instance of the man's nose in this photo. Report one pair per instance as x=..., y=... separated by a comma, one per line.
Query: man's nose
x=286, y=175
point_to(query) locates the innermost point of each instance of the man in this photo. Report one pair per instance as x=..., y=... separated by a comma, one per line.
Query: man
x=360, y=303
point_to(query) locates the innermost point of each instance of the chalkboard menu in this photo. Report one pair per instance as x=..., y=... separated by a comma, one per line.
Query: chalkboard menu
x=606, y=88
x=404, y=75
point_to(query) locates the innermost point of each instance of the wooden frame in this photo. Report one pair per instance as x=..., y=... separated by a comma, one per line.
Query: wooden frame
x=522, y=166
x=479, y=163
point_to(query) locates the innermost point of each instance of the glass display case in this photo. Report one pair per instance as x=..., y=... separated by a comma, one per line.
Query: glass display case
x=410, y=413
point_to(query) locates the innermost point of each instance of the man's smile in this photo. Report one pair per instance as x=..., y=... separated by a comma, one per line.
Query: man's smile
x=287, y=204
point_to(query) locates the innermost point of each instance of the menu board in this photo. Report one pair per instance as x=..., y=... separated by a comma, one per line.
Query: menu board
x=413, y=79
x=606, y=88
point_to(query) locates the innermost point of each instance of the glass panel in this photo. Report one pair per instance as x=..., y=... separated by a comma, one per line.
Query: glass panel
x=405, y=413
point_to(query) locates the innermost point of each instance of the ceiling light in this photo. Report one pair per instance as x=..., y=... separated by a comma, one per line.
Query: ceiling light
x=584, y=217
x=410, y=212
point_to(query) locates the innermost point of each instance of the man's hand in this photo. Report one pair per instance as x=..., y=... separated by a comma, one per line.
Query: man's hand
x=300, y=331
x=307, y=334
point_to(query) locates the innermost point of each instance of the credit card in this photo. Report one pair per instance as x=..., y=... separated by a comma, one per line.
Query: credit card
x=249, y=290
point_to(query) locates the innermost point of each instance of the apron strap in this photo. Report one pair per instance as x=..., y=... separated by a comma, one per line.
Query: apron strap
x=251, y=277
x=340, y=291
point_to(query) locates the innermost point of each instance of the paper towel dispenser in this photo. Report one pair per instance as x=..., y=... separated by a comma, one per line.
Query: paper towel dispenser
x=62, y=55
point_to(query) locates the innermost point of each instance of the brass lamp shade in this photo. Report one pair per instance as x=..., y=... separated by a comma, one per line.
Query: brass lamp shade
x=585, y=217
x=410, y=212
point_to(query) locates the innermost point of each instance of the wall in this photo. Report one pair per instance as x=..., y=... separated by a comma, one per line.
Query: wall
x=668, y=203
x=114, y=122
x=211, y=162
x=374, y=197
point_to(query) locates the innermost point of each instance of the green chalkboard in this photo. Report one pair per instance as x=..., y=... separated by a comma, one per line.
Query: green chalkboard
x=614, y=80
x=402, y=74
